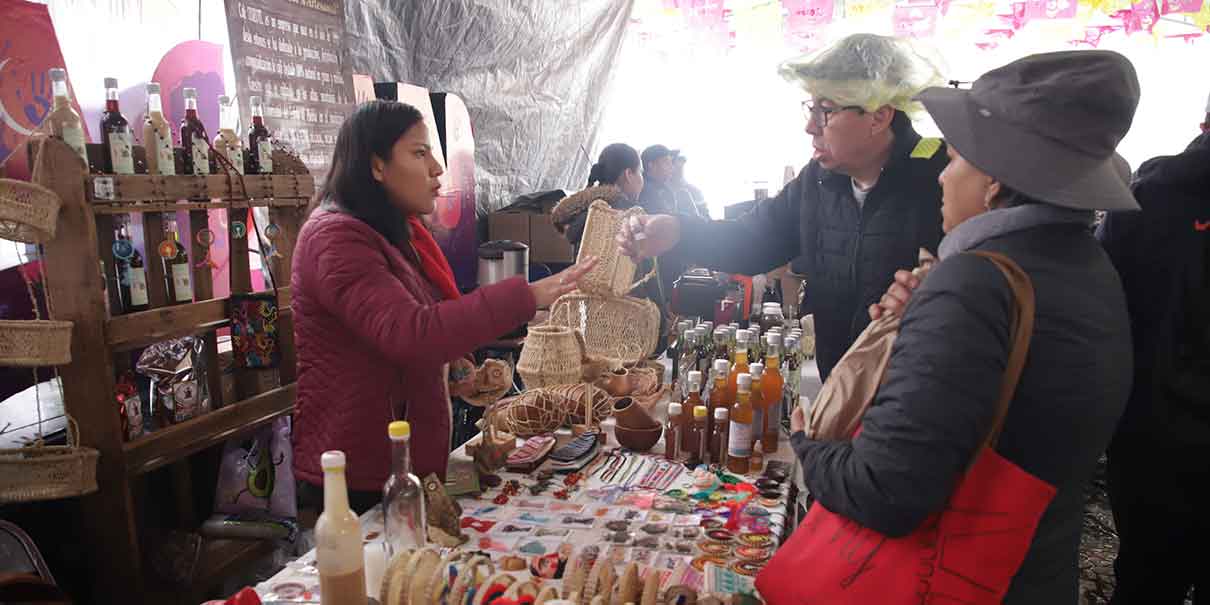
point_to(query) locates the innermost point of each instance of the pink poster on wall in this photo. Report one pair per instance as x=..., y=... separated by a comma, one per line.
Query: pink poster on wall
x=1168, y=7
x=1050, y=9
x=915, y=20
x=802, y=15
x=453, y=222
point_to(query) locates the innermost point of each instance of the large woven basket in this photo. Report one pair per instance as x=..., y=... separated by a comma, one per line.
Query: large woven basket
x=614, y=273
x=551, y=356
x=35, y=343
x=28, y=212
x=617, y=330
x=48, y=472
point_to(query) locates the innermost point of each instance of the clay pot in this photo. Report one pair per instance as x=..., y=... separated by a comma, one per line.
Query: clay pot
x=618, y=383
x=637, y=440
x=631, y=415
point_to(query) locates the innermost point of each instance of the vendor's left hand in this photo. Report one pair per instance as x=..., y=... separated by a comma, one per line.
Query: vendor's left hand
x=798, y=420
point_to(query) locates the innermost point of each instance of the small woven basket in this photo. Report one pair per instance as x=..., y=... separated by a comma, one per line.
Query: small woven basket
x=35, y=343
x=614, y=273
x=48, y=472
x=617, y=330
x=28, y=212
x=551, y=356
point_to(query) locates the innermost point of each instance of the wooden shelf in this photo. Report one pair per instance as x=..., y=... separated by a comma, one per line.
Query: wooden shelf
x=220, y=557
x=152, y=206
x=111, y=188
x=129, y=332
x=170, y=444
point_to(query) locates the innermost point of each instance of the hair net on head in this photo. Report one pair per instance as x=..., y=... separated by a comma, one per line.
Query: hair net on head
x=868, y=71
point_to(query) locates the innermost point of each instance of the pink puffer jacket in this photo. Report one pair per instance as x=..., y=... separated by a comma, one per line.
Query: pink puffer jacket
x=373, y=342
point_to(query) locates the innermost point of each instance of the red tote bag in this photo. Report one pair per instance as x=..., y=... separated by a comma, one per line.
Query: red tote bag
x=966, y=554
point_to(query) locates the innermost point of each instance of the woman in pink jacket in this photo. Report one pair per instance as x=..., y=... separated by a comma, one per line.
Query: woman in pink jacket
x=377, y=315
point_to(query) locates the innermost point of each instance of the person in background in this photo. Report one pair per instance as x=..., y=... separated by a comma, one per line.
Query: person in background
x=660, y=192
x=377, y=316
x=1023, y=180
x=1159, y=461
x=617, y=180
x=680, y=184
x=860, y=210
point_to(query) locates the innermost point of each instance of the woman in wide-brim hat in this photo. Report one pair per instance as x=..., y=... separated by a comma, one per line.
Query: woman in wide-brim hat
x=1031, y=149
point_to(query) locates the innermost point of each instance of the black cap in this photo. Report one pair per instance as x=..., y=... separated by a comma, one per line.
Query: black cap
x=656, y=152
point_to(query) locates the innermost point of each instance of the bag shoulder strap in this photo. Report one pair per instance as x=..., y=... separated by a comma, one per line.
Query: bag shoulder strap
x=1022, y=329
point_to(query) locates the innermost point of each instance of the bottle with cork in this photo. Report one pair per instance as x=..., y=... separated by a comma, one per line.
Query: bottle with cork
x=739, y=441
x=339, y=555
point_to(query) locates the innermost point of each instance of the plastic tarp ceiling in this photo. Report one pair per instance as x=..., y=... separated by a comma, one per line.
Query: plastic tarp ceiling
x=534, y=75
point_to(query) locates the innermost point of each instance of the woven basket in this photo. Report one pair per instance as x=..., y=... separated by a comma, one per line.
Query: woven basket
x=48, y=472
x=551, y=356
x=614, y=273
x=28, y=212
x=617, y=331
x=35, y=343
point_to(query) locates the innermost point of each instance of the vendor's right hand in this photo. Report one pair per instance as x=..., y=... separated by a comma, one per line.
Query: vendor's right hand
x=647, y=236
x=547, y=290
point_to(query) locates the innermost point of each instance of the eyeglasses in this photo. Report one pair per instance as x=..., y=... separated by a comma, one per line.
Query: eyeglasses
x=821, y=114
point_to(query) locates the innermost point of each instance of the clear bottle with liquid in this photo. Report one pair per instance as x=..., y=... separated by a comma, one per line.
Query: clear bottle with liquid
x=339, y=555
x=402, y=495
x=157, y=135
x=739, y=441
x=226, y=142
x=701, y=449
x=688, y=360
x=760, y=411
x=117, y=140
x=705, y=350
x=193, y=137
x=65, y=123
x=722, y=421
x=260, y=142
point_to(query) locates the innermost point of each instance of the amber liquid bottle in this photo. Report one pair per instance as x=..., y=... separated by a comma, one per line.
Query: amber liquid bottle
x=739, y=442
x=772, y=385
x=757, y=400
x=742, y=338
x=718, y=400
x=260, y=142
x=692, y=400
x=193, y=137
x=117, y=140
x=672, y=432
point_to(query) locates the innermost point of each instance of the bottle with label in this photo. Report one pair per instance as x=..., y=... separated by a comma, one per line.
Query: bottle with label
x=65, y=123
x=193, y=137
x=739, y=442
x=740, y=365
x=339, y=556
x=117, y=140
x=721, y=343
x=701, y=450
x=718, y=399
x=760, y=406
x=793, y=374
x=226, y=142
x=672, y=432
x=705, y=350
x=403, y=496
x=157, y=135
x=177, y=270
x=688, y=359
x=260, y=142
x=723, y=422
x=772, y=386
x=693, y=398
x=756, y=462
x=131, y=274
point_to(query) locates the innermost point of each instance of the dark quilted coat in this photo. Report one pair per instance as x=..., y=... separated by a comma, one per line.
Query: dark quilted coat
x=373, y=342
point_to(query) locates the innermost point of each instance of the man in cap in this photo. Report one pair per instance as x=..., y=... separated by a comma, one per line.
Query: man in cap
x=859, y=211
x=1159, y=460
x=693, y=194
x=660, y=195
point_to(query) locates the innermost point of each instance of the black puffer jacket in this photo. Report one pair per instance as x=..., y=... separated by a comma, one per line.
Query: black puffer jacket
x=940, y=391
x=848, y=253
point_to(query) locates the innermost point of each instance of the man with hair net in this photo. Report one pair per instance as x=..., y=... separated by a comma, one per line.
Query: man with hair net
x=859, y=211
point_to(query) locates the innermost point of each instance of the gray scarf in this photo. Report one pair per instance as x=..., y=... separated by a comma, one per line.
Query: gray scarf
x=994, y=223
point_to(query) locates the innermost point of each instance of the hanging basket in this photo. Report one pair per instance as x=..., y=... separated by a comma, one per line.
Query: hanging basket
x=28, y=212
x=35, y=343
x=614, y=273
x=551, y=356
x=617, y=331
x=48, y=472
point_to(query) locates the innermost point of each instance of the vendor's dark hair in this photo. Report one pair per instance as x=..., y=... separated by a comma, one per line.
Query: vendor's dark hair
x=613, y=161
x=350, y=185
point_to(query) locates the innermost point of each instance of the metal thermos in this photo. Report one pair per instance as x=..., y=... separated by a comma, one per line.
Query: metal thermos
x=502, y=259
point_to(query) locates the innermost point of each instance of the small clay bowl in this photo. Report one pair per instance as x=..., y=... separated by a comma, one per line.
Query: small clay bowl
x=637, y=440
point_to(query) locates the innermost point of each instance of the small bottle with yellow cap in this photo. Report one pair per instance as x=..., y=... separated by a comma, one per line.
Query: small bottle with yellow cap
x=402, y=495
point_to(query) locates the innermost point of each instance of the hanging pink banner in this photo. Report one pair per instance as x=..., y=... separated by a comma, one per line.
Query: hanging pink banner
x=802, y=15
x=1050, y=9
x=915, y=21
x=1167, y=7
x=1018, y=17
x=1147, y=13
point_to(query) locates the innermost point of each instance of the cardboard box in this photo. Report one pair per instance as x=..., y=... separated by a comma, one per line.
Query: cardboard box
x=546, y=244
x=508, y=225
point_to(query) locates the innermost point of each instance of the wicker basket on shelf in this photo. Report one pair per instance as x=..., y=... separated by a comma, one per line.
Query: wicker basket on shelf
x=35, y=343
x=28, y=212
x=48, y=472
x=551, y=356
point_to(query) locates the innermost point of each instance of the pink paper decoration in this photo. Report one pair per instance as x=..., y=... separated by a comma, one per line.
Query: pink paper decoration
x=1050, y=9
x=805, y=14
x=915, y=20
x=1167, y=7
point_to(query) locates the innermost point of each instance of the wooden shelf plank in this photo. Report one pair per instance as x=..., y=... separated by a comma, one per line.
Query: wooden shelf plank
x=102, y=208
x=178, y=441
x=145, y=187
x=128, y=332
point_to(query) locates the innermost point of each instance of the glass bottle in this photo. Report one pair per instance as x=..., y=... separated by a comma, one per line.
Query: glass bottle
x=402, y=495
x=65, y=123
x=757, y=461
x=177, y=270
x=740, y=365
x=226, y=142
x=720, y=344
x=672, y=432
x=718, y=398
x=760, y=410
x=193, y=137
x=339, y=555
x=693, y=398
x=701, y=450
x=793, y=373
x=754, y=342
x=117, y=141
x=131, y=275
x=260, y=142
x=157, y=135
x=688, y=360
x=705, y=350
x=722, y=421
x=739, y=441
x=772, y=386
